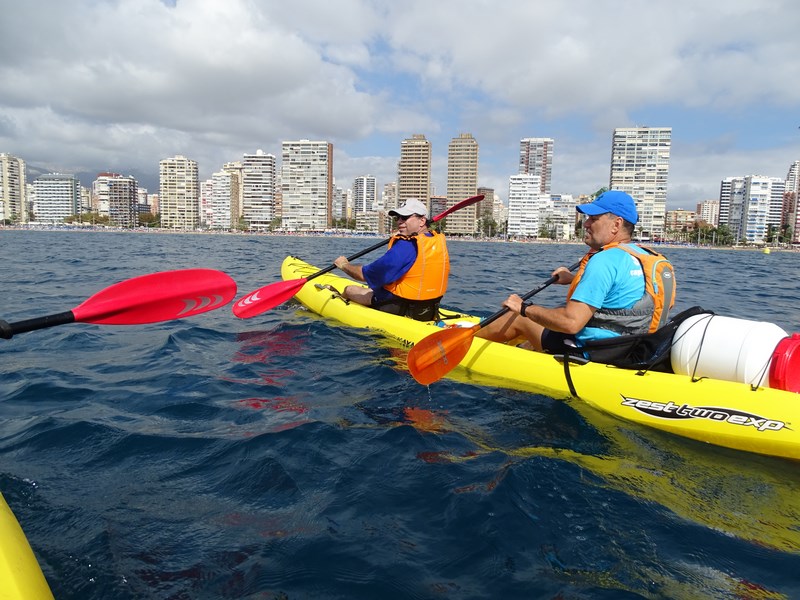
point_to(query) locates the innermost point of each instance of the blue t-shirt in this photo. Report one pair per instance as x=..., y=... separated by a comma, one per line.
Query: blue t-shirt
x=389, y=268
x=612, y=279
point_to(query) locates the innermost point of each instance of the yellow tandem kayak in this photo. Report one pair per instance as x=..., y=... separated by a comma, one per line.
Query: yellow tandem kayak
x=725, y=413
x=20, y=575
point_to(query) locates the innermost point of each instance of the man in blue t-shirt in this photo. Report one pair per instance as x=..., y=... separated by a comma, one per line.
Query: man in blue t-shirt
x=612, y=282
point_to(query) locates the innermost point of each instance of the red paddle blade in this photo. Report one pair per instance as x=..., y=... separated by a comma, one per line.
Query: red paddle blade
x=436, y=355
x=158, y=297
x=267, y=297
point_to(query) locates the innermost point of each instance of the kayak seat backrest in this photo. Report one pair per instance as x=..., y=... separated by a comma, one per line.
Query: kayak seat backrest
x=648, y=351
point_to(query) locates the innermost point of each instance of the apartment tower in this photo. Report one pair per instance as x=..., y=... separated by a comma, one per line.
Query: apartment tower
x=57, y=197
x=258, y=190
x=307, y=185
x=179, y=193
x=536, y=158
x=12, y=189
x=117, y=197
x=365, y=194
x=791, y=204
x=462, y=182
x=414, y=170
x=640, y=167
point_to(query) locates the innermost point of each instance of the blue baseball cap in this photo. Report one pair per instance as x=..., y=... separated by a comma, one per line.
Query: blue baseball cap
x=613, y=201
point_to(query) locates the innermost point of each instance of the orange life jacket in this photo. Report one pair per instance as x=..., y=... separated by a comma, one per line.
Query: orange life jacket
x=427, y=277
x=659, y=285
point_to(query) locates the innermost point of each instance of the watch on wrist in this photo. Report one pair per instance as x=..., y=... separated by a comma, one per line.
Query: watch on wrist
x=523, y=307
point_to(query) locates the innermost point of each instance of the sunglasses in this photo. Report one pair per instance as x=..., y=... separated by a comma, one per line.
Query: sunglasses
x=402, y=218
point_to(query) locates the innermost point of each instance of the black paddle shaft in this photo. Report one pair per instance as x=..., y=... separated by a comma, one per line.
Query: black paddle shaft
x=349, y=258
x=530, y=294
x=9, y=330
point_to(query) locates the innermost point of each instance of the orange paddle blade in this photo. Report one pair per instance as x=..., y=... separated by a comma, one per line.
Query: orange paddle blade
x=436, y=355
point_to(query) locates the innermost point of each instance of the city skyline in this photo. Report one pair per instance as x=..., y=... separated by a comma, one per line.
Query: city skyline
x=215, y=81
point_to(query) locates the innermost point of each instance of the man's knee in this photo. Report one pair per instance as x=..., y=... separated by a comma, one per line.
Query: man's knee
x=358, y=294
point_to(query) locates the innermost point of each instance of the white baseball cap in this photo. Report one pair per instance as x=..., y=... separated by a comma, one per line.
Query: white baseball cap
x=412, y=206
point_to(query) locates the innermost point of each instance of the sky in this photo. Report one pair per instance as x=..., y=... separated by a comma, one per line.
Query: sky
x=88, y=86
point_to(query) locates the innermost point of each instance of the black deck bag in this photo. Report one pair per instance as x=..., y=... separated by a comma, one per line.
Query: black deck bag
x=647, y=351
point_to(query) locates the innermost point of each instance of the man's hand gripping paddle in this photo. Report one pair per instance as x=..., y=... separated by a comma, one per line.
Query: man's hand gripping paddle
x=434, y=356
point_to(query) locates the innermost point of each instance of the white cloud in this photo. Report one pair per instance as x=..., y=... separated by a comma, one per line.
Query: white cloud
x=96, y=85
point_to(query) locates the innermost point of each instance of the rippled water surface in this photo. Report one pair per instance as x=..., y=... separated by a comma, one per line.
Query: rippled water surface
x=286, y=457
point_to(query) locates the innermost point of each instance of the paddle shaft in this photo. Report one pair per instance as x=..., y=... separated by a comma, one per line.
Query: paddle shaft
x=530, y=294
x=9, y=330
x=330, y=268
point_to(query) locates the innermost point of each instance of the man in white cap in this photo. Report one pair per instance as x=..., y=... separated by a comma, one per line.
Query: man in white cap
x=411, y=277
x=625, y=289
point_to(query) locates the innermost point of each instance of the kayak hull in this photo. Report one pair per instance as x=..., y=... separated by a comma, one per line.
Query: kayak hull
x=20, y=575
x=724, y=413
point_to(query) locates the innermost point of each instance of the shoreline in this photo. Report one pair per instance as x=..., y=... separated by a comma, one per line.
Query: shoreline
x=367, y=235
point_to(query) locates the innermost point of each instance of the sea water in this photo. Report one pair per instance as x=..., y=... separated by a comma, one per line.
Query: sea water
x=287, y=457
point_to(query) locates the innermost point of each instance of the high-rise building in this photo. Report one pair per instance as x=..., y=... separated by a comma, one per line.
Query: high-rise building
x=486, y=206
x=258, y=190
x=206, y=206
x=536, y=158
x=791, y=203
x=708, y=212
x=728, y=187
x=116, y=196
x=390, y=196
x=755, y=206
x=414, y=170
x=223, y=189
x=462, y=182
x=524, y=205
x=364, y=194
x=640, y=167
x=307, y=185
x=179, y=193
x=12, y=189
x=57, y=197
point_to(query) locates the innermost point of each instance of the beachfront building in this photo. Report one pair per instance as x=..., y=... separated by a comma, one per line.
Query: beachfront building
x=57, y=197
x=486, y=206
x=12, y=189
x=640, y=167
x=728, y=187
x=753, y=206
x=307, y=185
x=117, y=197
x=206, y=210
x=365, y=194
x=708, y=212
x=526, y=204
x=258, y=190
x=559, y=223
x=223, y=187
x=462, y=182
x=536, y=158
x=680, y=224
x=791, y=205
x=414, y=170
x=179, y=193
